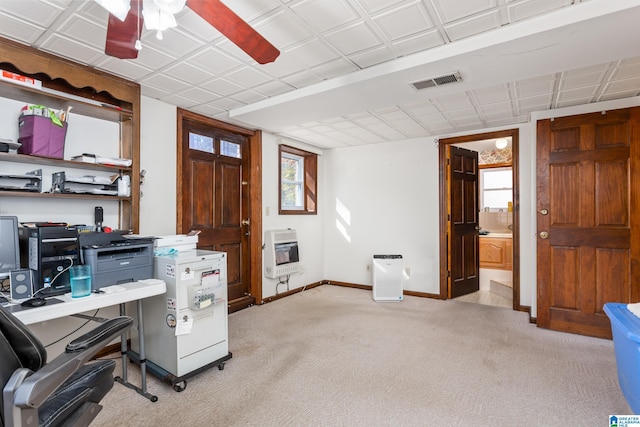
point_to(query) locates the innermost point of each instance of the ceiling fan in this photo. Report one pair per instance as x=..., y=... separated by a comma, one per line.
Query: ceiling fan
x=126, y=21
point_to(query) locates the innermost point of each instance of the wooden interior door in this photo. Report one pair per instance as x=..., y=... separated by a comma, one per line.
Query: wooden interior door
x=588, y=217
x=463, y=222
x=214, y=200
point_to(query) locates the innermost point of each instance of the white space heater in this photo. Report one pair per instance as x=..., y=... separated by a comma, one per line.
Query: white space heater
x=387, y=277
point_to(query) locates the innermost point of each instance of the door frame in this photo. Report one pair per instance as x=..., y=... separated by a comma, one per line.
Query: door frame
x=445, y=195
x=254, y=187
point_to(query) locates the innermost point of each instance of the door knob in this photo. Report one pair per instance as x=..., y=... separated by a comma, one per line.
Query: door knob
x=544, y=234
x=245, y=221
x=544, y=211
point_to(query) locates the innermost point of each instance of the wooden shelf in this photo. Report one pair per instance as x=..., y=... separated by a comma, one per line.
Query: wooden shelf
x=4, y=193
x=37, y=160
x=59, y=101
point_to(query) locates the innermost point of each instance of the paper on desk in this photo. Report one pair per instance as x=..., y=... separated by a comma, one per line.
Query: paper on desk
x=184, y=327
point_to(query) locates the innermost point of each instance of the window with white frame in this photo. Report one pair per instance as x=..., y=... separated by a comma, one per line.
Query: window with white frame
x=496, y=188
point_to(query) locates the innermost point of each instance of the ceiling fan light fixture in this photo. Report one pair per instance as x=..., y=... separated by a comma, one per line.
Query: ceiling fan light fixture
x=118, y=8
x=155, y=18
x=501, y=143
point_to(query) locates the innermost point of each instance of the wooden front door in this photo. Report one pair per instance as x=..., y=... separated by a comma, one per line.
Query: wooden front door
x=588, y=218
x=215, y=199
x=463, y=221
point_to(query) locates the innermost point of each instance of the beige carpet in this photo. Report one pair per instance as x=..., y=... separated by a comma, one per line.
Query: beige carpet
x=331, y=356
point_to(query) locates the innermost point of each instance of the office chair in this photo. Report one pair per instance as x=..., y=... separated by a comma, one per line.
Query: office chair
x=65, y=391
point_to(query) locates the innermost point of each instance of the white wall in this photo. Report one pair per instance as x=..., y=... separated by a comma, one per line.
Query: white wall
x=382, y=199
x=309, y=227
x=158, y=154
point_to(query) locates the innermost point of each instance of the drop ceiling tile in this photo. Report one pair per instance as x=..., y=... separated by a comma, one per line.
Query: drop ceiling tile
x=572, y=102
x=187, y=73
x=498, y=115
x=192, y=24
x=623, y=85
x=505, y=122
x=409, y=127
x=372, y=6
x=627, y=69
x=533, y=87
x=248, y=96
x=199, y=95
x=404, y=21
x=474, y=25
x=469, y=120
x=222, y=87
x=455, y=101
x=150, y=58
x=71, y=49
x=283, y=66
x=392, y=114
x=247, y=77
x=530, y=8
x=325, y=15
x=372, y=57
x=175, y=42
x=39, y=13
x=273, y=88
x=418, y=43
x=311, y=53
x=252, y=10
x=581, y=80
x=152, y=92
x=535, y=101
x=497, y=107
x=285, y=29
x=180, y=101
x=164, y=82
x=453, y=10
x=618, y=95
x=492, y=94
x=332, y=69
x=342, y=124
x=207, y=110
x=127, y=69
x=367, y=120
x=421, y=109
x=579, y=93
x=363, y=135
x=225, y=104
x=354, y=38
x=301, y=79
x=19, y=30
x=386, y=131
x=214, y=61
x=83, y=30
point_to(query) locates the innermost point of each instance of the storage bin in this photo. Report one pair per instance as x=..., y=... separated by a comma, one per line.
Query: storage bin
x=39, y=136
x=625, y=328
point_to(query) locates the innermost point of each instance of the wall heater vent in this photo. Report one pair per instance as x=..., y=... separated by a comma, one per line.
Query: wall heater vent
x=437, y=81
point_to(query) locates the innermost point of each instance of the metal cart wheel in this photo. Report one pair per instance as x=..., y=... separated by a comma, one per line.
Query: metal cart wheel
x=221, y=366
x=180, y=386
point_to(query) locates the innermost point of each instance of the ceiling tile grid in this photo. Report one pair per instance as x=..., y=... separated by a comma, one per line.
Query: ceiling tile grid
x=195, y=67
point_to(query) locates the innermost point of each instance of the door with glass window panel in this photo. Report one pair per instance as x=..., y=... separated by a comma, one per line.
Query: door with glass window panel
x=215, y=200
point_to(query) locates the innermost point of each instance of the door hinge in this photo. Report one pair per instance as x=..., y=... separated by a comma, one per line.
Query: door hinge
x=448, y=217
x=448, y=273
x=245, y=182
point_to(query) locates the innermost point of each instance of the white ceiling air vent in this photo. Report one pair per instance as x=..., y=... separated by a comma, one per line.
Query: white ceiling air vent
x=437, y=81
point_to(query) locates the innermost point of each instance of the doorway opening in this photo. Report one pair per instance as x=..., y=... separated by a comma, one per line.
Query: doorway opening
x=497, y=244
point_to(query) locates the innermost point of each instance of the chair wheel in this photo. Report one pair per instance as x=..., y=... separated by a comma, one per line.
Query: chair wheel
x=178, y=387
x=153, y=398
x=221, y=366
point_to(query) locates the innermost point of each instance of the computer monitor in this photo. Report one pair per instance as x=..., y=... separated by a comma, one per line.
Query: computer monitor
x=9, y=246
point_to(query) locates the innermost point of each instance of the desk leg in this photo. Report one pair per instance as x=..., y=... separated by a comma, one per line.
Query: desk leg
x=143, y=361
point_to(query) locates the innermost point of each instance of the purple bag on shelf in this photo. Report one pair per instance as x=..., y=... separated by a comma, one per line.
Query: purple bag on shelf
x=39, y=136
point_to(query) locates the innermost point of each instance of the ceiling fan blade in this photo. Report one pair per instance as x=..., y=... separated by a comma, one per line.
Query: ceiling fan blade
x=235, y=29
x=122, y=36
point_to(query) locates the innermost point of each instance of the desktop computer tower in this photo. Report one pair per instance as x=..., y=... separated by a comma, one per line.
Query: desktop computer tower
x=49, y=251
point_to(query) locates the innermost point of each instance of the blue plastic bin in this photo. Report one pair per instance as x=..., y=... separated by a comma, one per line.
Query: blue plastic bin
x=625, y=328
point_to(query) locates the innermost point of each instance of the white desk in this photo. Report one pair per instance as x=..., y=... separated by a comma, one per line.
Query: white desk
x=113, y=295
